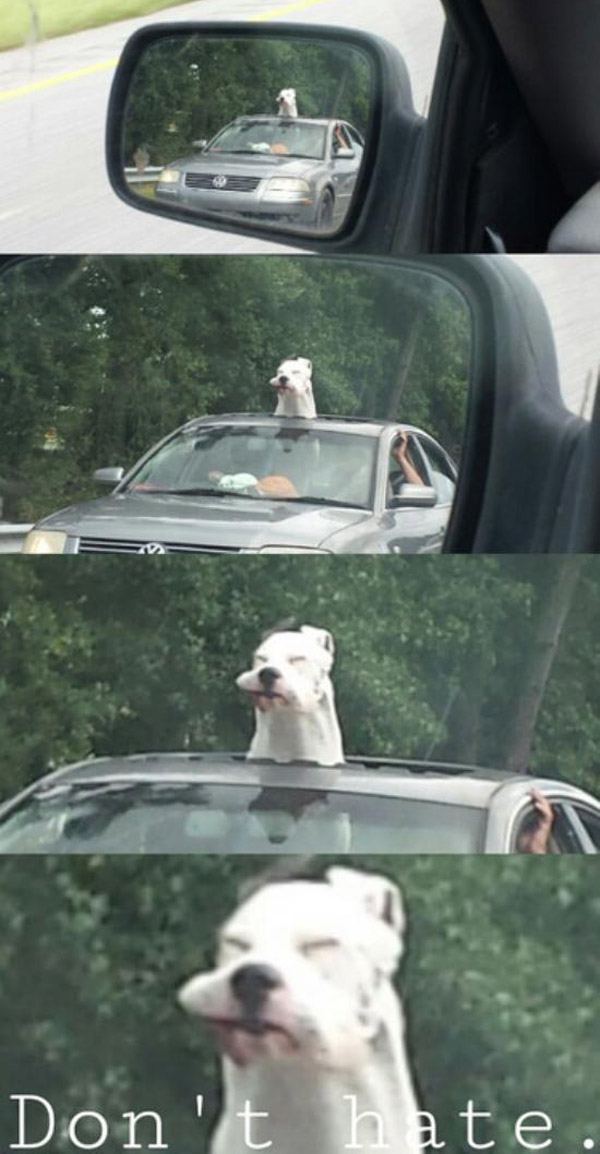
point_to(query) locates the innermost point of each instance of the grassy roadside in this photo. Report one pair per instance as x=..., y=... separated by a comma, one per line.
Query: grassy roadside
x=22, y=21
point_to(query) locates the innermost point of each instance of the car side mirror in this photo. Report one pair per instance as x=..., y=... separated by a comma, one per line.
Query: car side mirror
x=267, y=164
x=414, y=497
x=109, y=476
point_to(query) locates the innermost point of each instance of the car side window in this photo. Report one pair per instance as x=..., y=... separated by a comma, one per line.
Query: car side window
x=419, y=458
x=356, y=140
x=340, y=139
x=591, y=822
x=396, y=477
x=442, y=478
x=563, y=838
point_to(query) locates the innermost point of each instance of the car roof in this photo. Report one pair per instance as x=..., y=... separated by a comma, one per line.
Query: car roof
x=264, y=118
x=363, y=426
x=436, y=781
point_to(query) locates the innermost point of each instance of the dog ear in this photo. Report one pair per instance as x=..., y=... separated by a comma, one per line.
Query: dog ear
x=380, y=896
x=322, y=637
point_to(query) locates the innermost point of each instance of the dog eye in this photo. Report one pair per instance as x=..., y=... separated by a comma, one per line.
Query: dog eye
x=297, y=660
x=230, y=948
x=320, y=944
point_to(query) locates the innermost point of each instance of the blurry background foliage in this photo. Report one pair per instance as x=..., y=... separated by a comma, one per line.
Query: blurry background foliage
x=500, y=983
x=188, y=88
x=478, y=659
x=102, y=356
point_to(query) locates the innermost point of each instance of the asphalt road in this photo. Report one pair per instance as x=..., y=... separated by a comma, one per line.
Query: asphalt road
x=54, y=194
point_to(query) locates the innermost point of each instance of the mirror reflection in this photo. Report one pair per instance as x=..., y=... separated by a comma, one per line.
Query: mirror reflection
x=226, y=404
x=271, y=131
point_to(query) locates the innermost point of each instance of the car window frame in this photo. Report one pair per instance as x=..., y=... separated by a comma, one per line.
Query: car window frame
x=560, y=806
x=586, y=838
x=424, y=441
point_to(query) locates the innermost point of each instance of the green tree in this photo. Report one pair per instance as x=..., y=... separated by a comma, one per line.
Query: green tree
x=500, y=984
x=98, y=656
x=100, y=357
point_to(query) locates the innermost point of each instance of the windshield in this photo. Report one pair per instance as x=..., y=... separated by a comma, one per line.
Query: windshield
x=278, y=136
x=264, y=462
x=229, y=819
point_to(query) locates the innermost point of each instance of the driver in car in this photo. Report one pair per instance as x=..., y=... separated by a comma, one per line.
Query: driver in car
x=406, y=473
x=535, y=832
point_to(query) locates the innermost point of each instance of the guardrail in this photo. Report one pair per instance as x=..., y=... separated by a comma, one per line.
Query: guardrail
x=12, y=537
x=149, y=175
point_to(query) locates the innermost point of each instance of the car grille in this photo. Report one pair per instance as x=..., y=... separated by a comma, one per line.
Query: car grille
x=102, y=545
x=234, y=183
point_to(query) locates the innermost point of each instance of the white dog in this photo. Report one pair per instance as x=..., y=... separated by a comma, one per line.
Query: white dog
x=306, y=1016
x=286, y=102
x=293, y=383
x=293, y=697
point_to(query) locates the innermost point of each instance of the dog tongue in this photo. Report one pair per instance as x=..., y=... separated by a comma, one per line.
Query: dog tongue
x=263, y=701
x=244, y=1047
x=239, y=1045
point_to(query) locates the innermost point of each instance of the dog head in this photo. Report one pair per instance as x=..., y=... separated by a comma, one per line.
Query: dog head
x=290, y=669
x=286, y=102
x=303, y=970
x=293, y=377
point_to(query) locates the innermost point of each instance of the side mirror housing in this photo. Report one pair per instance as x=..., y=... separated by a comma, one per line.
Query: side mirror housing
x=414, y=497
x=109, y=476
x=340, y=75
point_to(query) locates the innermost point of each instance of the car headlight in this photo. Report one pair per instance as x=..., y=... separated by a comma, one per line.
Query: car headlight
x=44, y=541
x=291, y=549
x=169, y=176
x=287, y=187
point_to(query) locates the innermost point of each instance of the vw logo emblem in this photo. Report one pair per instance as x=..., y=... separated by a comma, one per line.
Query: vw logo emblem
x=219, y=181
x=152, y=547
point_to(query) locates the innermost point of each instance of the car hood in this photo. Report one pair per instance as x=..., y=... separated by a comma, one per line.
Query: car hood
x=235, y=522
x=261, y=164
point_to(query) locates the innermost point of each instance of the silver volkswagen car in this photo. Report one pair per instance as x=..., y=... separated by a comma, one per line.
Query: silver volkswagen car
x=220, y=803
x=256, y=483
x=273, y=168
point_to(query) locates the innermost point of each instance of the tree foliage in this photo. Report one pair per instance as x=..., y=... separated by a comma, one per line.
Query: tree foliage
x=101, y=357
x=101, y=656
x=500, y=984
x=187, y=88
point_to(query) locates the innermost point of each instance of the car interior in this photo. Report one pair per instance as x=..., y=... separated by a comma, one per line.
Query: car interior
x=512, y=145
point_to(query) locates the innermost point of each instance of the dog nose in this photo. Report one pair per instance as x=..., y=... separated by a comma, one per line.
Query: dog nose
x=252, y=984
x=268, y=676
x=283, y=380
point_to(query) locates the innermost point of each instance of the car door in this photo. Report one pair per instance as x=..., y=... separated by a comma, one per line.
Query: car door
x=406, y=529
x=344, y=169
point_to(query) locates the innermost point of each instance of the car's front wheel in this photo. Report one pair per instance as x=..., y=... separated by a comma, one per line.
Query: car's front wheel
x=325, y=210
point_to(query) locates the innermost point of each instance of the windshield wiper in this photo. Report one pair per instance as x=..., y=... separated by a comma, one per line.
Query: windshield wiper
x=239, y=152
x=200, y=491
x=322, y=501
